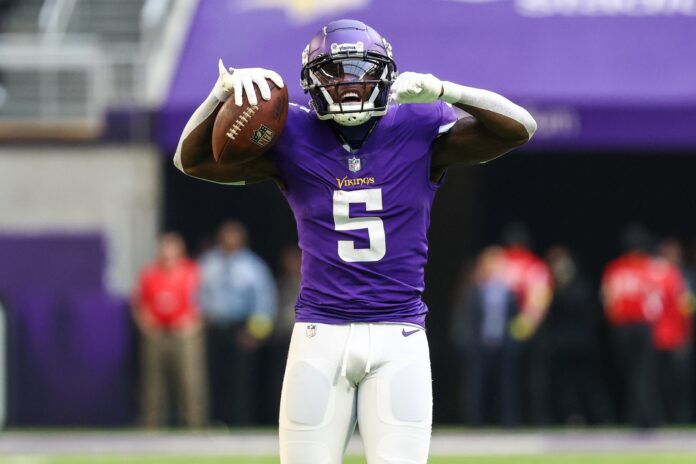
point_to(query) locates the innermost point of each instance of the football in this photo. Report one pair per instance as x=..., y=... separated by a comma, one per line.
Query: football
x=242, y=133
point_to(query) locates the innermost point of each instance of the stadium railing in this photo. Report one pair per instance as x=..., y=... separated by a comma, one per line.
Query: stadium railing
x=84, y=57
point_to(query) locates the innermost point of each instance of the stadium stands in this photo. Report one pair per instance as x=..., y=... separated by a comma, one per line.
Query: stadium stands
x=64, y=65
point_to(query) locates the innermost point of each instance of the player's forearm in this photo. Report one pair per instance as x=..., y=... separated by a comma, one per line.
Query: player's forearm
x=197, y=132
x=194, y=154
x=496, y=113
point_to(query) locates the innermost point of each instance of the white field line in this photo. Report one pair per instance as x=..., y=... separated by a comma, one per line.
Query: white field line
x=28, y=447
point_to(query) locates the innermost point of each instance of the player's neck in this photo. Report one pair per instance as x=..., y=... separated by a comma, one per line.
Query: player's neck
x=354, y=136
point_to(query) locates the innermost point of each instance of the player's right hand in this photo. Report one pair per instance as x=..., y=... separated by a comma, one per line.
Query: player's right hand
x=241, y=81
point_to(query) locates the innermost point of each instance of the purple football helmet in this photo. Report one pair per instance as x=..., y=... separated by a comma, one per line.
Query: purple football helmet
x=347, y=69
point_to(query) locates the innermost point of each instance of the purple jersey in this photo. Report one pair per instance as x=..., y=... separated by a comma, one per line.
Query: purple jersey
x=362, y=217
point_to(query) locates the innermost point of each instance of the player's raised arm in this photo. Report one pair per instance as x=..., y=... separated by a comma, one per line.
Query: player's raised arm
x=194, y=154
x=496, y=124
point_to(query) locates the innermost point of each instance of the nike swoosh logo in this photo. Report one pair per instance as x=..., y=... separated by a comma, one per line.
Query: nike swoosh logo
x=410, y=332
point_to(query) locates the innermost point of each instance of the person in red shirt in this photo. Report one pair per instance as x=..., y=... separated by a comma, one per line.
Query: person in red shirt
x=166, y=314
x=630, y=293
x=529, y=279
x=632, y=304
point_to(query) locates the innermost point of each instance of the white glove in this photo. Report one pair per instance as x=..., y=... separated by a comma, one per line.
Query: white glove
x=411, y=87
x=241, y=81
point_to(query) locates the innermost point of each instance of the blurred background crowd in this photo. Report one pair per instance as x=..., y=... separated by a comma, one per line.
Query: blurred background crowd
x=541, y=341
x=217, y=330
x=559, y=276
x=538, y=341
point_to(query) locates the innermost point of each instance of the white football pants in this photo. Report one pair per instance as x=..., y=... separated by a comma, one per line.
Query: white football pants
x=377, y=375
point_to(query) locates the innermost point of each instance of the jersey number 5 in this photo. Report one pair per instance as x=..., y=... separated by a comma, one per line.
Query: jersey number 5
x=374, y=225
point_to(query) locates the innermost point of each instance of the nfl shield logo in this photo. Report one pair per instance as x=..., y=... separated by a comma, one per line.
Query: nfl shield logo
x=262, y=135
x=311, y=331
x=354, y=164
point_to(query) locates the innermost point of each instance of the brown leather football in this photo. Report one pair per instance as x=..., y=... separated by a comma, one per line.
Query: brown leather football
x=242, y=133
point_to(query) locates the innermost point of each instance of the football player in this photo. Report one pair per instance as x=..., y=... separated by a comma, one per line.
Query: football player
x=359, y=170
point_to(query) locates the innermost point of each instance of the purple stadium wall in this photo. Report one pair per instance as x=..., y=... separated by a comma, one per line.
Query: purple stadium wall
x=592, y=72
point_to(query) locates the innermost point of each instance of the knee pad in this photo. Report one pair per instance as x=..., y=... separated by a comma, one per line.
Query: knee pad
x=403, y=448
x=305, y=452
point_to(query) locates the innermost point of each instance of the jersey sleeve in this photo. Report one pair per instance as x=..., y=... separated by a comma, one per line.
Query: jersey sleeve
x=430, y=119
x=447, y=117
x=439, y=117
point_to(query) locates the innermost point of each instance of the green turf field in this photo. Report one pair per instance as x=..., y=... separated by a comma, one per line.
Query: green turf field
x=532, y=459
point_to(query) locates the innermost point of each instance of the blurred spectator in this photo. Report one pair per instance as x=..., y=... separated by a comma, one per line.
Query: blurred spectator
x=632, y=304
x=572, y=330
x=529, y=278
x=238, y=300
x=481, y=331
x=166, y=314
x=672, y=333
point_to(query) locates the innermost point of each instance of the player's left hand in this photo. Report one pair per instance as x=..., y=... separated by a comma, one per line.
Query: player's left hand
x=241, y=81
x=410, y=87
